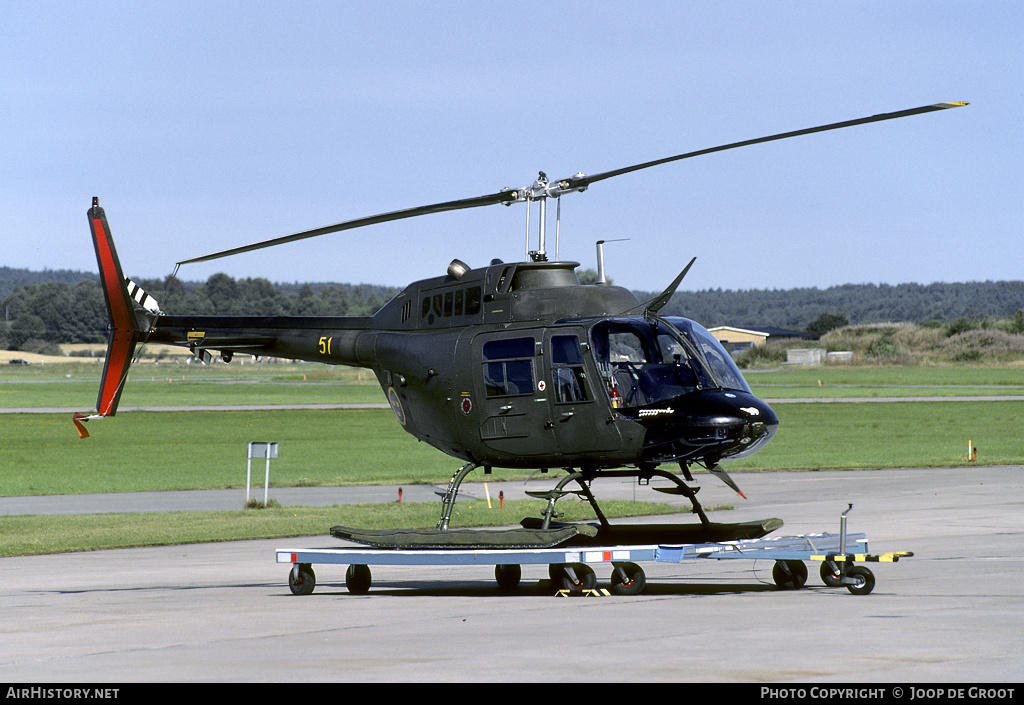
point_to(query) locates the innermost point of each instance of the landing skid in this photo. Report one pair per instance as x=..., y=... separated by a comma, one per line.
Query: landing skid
x=560, y=535
x=641, y=534
x=546, y=532
x=432, y=539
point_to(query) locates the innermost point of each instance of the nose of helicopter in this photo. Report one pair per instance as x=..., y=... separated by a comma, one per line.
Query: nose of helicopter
x=758, y=423
x=712, y=424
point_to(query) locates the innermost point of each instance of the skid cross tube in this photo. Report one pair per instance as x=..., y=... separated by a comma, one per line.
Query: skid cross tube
x=448, y=498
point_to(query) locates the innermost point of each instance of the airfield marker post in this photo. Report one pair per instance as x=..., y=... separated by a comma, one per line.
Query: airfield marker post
x=260, y=449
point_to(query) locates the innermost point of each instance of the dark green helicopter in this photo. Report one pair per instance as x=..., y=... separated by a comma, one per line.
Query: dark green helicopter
x=511, y=365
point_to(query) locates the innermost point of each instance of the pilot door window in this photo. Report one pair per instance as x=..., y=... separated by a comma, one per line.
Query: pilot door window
x=567, y=375
x=625, y=355
x=641, y=365
x=508, y=367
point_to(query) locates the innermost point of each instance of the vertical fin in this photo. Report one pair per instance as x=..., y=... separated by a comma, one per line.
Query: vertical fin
x=124, y=329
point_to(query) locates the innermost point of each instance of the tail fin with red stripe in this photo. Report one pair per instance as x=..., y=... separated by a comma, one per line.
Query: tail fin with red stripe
x=130, y=319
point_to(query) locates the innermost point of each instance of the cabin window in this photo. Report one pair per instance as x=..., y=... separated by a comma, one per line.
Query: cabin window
x=508, y=367
x=567, y=374
x=460, y=302
x=473, y=301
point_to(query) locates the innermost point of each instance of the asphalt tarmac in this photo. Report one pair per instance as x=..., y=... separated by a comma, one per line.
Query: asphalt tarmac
x=953, y=613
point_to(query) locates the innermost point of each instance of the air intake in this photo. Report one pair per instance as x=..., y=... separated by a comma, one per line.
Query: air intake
x=457, y=269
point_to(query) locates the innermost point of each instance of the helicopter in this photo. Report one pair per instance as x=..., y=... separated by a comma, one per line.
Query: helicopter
x=509, y=365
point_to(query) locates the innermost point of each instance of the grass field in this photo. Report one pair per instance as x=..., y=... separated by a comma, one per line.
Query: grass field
x=146, y=451
x=884, y=381
x=166, y=450
x=34, y=535
x=140, y=451
x=76, y=384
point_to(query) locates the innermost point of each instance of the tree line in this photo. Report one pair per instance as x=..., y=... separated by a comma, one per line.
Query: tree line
x=57, y=306
x=39, y=316
x=858, y=303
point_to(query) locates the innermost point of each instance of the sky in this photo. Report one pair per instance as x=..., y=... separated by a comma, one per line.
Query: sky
x=206, y=125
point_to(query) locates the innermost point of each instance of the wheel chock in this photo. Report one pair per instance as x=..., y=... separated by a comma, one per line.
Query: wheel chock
x=599, y=592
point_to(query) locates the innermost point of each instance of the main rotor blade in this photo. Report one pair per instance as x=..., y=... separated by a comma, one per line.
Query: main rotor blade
x=584, y=181
x=500, y=197
x=578, y=182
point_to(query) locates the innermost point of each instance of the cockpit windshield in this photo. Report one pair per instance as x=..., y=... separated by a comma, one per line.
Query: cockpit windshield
x=648, y=361
x=717, y=358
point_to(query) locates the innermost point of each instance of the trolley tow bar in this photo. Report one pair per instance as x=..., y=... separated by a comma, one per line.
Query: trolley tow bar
x=840, y=569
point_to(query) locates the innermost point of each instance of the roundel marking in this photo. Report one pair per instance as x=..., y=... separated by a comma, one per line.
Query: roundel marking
x=396, y=405
x=467, y=406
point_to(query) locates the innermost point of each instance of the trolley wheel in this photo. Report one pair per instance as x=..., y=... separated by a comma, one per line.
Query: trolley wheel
x=789, y=575
x=628, y=579
x=303, y=580
x=830, y=574
x=585, y=577
x=508, y=575
x=864, y=580
x=358, y=579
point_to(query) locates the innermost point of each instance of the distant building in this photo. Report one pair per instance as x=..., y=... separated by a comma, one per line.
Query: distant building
x=736, y=339
x=805, y=356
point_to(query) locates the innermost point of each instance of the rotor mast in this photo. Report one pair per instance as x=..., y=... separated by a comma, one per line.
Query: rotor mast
x=541, y=190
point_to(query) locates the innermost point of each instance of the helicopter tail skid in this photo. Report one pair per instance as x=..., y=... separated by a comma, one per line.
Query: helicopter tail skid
x=130, y=311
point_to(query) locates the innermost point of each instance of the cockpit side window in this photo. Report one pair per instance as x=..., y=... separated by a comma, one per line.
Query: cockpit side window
x=568, y=377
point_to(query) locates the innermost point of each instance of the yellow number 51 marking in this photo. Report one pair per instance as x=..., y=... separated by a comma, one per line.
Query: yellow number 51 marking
x=325, y=345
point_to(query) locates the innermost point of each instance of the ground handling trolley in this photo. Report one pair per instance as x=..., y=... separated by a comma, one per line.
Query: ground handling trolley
x=571, y=572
